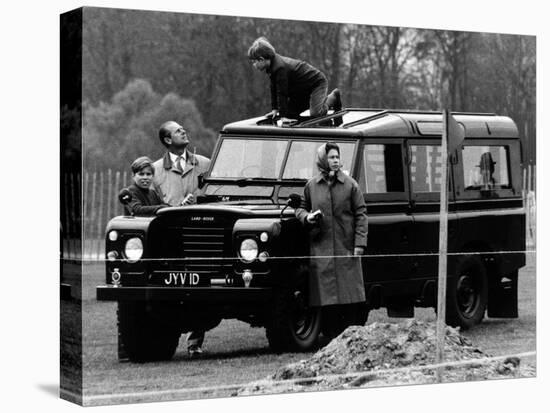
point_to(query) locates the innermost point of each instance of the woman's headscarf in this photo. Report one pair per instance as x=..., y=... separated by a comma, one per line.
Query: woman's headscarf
x=322, y=161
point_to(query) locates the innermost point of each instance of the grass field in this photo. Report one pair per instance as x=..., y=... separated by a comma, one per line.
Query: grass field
x=238, y=354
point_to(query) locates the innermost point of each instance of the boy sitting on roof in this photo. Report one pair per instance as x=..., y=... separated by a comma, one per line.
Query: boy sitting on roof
x=295, y=84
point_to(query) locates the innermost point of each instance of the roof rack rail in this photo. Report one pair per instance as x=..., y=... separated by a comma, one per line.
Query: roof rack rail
x=316, y=121
x=474, y=113
x=379, y=113
x=327, y=120
x=367, y=119
x=420, y=112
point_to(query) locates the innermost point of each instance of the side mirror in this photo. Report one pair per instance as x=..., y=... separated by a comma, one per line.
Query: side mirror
x=294, y=200
x=124, y=196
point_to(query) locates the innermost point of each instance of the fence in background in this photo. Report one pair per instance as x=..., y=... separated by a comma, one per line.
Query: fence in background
x=95, y=195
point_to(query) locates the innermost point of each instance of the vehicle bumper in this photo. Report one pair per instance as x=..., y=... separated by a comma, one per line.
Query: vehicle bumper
x=219, y=295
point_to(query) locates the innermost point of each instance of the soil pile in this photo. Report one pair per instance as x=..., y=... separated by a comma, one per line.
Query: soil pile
x=382, y=354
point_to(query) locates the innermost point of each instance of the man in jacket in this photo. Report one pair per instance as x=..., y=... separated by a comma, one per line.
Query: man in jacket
x=176, y=179
x=177, y=172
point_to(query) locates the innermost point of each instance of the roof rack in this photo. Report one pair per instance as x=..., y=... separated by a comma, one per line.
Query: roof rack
x=322, y=121
x=367, y=119
x=418, y=112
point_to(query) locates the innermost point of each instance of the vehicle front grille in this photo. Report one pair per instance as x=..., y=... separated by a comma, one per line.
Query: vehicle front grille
x=182, y=247
x=204, y=248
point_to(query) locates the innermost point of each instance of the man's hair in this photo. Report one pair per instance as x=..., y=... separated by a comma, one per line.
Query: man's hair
x=164, y=132
x=261, y=48
x=331, y=145
x=141, y=163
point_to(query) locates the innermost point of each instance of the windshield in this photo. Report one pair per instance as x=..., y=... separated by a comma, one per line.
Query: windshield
x=240, y=158
x=249, y=158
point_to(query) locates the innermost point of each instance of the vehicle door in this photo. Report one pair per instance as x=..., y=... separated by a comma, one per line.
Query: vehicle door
x=382, y=178
x=425, y=173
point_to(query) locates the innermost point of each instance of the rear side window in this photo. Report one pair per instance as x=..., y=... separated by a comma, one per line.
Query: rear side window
x=382, y=169
x=485, y=167
x=426, y=168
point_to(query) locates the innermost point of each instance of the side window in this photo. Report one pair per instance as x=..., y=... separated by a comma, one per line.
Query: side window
x=382, y=169
x=485, y=167
x=426, y=168
x=302, y=159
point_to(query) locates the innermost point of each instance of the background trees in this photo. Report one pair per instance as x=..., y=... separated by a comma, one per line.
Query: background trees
x=141, y=68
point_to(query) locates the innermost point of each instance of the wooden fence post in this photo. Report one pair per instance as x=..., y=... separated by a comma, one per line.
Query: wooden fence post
x=443, y=243
x=93, y=213
x=73, y=189
x=100, y=213
x=85, y=210
x=529, y=201
x=115, y=197
x=64, y=221
x=524, y=182
x=528, y=178
x=108, y=201
x=124, y=183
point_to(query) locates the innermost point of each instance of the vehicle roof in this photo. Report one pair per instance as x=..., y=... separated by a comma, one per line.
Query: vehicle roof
x=380, y=123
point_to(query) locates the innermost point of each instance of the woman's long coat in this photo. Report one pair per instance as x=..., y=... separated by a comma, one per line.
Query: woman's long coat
x=336, y=276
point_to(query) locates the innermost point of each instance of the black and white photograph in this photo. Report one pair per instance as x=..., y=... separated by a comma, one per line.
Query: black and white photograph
x=300, y=208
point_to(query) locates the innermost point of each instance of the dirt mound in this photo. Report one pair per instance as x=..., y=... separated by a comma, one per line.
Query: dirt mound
x=382, y=354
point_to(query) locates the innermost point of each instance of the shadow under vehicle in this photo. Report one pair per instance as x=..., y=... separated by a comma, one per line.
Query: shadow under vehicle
x=240, y=252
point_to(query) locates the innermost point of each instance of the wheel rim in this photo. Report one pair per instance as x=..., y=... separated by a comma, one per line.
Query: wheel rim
x=303, y=317
x=467, y=292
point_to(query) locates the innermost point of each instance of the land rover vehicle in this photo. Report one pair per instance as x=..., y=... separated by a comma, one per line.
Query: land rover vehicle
x=240, y=252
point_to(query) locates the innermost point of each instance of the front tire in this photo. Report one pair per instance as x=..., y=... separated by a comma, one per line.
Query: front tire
x=467, y=294
x=143, y=334
x=294, y=325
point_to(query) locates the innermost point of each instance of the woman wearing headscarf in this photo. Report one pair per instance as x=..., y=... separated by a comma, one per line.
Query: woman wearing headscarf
x=334, y=210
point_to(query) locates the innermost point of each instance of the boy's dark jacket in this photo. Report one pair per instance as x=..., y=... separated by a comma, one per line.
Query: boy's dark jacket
x=292, y=82
x=144, y=202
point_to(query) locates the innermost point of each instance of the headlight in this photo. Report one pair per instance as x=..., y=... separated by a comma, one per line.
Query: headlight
x=133, y=249
x=248, y=250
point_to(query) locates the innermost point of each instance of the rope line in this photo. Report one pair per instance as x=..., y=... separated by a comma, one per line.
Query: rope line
x=483, y=360
x=300, y=257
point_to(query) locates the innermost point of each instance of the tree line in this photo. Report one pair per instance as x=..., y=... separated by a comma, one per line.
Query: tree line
x=141, y=68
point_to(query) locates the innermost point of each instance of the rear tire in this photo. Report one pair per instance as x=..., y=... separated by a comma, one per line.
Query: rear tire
x=143, y=334
x=467, y=294
x=294, y=326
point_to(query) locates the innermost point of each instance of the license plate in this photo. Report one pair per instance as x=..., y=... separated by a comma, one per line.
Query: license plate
x=181, y=278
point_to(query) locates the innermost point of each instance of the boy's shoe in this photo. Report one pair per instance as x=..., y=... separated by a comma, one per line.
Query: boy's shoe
x=194, y=351
x=334, y=100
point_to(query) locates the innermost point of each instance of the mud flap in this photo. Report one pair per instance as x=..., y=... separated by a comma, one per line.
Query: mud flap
x=503, y=296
